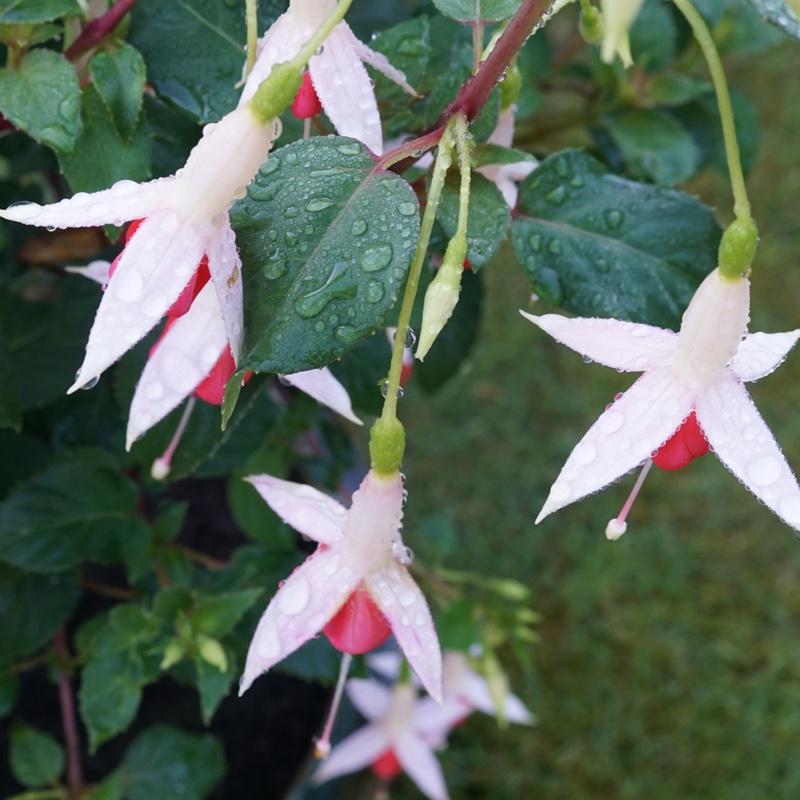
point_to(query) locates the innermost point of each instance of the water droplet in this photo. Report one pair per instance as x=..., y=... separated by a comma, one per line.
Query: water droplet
x=385, y=388
x=789, y=508
x=318, y=204
x=376, y=257
x=349, y=334
x=293, y=598
x=614, y=218
x=291, y=238
x=268, y=642
x=535, y=242
x=584, y=453
x=407, y=209
x=764, y=470
x=128, y=286
x=554, y=247
x=375, y=292
x=292, y=159
x=340, y=285
x=290, y=212
x=358, y=227
x=270, y=166
x=562, y=167
x=275, y=267
x=556, y=196
x=264, y=193
x=403, y=555
x=349, y=149
x=611, y=421
x=89, y=384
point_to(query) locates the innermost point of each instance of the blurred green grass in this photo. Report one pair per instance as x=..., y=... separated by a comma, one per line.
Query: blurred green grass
x=669, y=663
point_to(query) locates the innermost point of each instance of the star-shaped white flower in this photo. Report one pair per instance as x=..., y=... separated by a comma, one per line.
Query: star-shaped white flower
x=185, y=217
x=361, y=549
x=337, y=71
x=701, y=369
x=398, y=724
x=506, y=176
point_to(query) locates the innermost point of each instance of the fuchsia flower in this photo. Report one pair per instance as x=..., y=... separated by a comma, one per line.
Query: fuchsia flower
x=360, y=564
x=697, y=372
x=337, y=71
x=400, y=736
x=185, y=218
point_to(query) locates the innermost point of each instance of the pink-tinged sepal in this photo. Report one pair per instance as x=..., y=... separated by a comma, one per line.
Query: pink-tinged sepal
x=308, y=598
x=421, y=765
x=627, y=346
x=355, y=752
x=225, y=268
x=180, y=361
x=762, y=353
x=152, y=271
x=325, y=389
x=370, y=698
x=624, y=435
x=306, y=509
x=745, y=445
x=379, y=62
x=404, y=605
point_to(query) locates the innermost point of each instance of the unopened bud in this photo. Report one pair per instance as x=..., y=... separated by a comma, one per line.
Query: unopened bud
x=212, y=652
x=615, y=529
x=276, y=93
x=738, y=249
x=591, y=25
x=442, y=294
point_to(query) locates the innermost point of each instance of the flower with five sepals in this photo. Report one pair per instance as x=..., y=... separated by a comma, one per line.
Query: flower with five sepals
x=699, y=371
x=185, y=218
x=337, y=71
x=400, y=735
x=361, y=561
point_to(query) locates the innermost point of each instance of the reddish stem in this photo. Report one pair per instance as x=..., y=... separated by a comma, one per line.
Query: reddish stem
x=98, y=29
x=68, y=718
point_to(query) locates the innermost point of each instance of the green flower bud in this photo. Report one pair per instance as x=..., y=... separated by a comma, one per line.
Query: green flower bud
x=387, y=442
x=277, y=92
x=738, y=249
x=591, y=25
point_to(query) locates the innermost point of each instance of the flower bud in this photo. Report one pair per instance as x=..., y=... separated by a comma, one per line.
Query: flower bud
x=212, y=652
x=738, y=249
x=591, y=25
x=442, y=294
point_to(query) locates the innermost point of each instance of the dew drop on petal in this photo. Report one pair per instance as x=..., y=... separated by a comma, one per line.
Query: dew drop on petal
x=611, y=421
x=269, y=643
x=585, y=453
x=293, y=598
x=560, y=491
x=764, y=470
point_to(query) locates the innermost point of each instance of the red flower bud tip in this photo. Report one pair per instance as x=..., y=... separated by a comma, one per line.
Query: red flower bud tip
x=406, y=371
x=467, y=265
x=306, y=104
x=184, y=302
x=685, y=445
x=212, y=388
x=358, y=626
x=386, y=766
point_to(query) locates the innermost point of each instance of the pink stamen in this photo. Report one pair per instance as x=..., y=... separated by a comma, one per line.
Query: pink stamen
x=162, y=466
x=322, y=747
x=617, y=526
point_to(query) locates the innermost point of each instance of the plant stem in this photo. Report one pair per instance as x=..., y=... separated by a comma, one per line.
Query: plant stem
x=68, y=719
x=741, y=204
x=440, y=167
x=99, y=28
x=251, y=17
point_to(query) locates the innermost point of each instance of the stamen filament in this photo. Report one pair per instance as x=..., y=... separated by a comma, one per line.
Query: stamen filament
x=323, y=745
x=617, y=526
x=162, y=466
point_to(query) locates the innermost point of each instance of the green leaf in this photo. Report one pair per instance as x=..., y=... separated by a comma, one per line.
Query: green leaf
x=486, y=154
x=101, y=157
x=487, y=220
x=478, y=10
x=10, y=411
x=216, y=33
x=32, y=608
x=454, y=343
x=36, y=758
x=654, y=36
x=582, y=233
x=111, y=788
x=363, y=370
x=121, y=660
x=668, y=89
x=780, y=14
x=654, y=145
x=76, y=511
x=166, y=762
x=9, y=689
x=173, y=134
x=213, y=685
x=46, y=340
x=326, y=240
x=216, y=615
x=24, y=12
x=42, y=98
x=119, y=77
x=316, y=660
x=457, y=627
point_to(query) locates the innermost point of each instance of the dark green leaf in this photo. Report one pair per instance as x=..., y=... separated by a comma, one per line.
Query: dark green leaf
x=781, y=14
x=42, y=98
x=101, y=157
x=32, y=608
x=217, y=614
x=363, y=370
x=486, y=154
x=83, y=510
x=46, y=340
x=23, y=456
x=9, y=689
x=584, y=233
x=173, y=134
x=23, y=12
x=119, y=77
x=316, y=660
x=654, y=145
x=121, y=660
x=454, y=343
x=668, y=89
x=326, y=241
x=213, y=685
x=10, y=411
x=110, y=789
x=212, y=33
x=166, y=762
x=36, y=758
x=487, y=220
x=478, y=10
x=457, y=627
x=654, y=36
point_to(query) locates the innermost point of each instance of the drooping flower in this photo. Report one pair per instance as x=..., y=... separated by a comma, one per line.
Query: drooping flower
x=618, y=16
x=337, y=71
x=506, y=176
x=398, y=737
x=699, y=370
x=361, y=559
x=185, y=218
